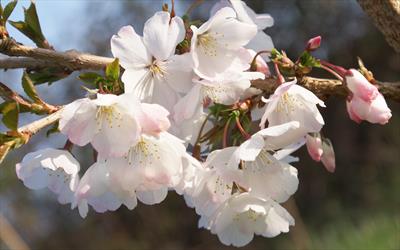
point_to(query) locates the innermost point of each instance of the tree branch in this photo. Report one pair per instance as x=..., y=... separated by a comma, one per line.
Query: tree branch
x=386, y=16
x=72, y=59
x=34, y=127
x=23, y=62
x=324, y=88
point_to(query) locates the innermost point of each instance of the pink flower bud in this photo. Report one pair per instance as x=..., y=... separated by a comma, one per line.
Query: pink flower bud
x=375, y=111
x=328, y=157
x=314, y=43
x=360, y=86
x=314, y=146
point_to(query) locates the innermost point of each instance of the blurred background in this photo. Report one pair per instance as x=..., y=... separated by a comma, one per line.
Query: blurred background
x=358, y=207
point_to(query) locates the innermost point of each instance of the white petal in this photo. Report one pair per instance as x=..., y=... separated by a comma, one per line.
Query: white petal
x=251, y=148
x=161, y=34
x=151, y=197
x=129, y=48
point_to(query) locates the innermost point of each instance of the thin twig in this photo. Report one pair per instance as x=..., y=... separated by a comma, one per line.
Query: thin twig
x=34, y=127
x=72, y=59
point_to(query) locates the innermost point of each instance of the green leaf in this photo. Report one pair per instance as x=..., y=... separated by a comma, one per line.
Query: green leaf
x=112, y=70
x=8, y=10
x=49, y=75
x=32, y=20
x=90, y=77
x=31, y=27
x=307, y=60
x=29, y=88
x=10, y=115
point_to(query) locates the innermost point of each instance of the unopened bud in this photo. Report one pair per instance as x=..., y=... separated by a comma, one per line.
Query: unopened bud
x=314, y=43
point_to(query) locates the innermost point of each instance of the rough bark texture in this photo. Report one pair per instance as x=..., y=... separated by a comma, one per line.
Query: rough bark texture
x=71, y=60
x=386, y=16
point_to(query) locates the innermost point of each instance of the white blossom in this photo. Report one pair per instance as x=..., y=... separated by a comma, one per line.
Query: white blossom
x=52, y=168
x=152, y=70
x=215, y=44
x=243, y=215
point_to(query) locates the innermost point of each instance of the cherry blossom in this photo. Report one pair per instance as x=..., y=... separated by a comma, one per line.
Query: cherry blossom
x=375, y=111
x=108, y=122
x=215, y=44
x=237, y=220
x=360, y=86
x=245, y=14
x=52, y=168
x=291, y=102
x=152, y=70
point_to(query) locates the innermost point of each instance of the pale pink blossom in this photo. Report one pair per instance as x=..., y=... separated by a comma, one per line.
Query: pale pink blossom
x=375, y=111
x=108, y=122
x=360, y=86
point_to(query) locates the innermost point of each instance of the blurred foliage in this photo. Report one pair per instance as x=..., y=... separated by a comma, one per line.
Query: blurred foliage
x=358, y=207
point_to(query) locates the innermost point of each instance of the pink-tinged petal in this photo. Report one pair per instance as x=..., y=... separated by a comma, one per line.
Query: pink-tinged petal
x=353, y=115
x=379, y=111
x=153, y=119
x=161, y=34
x=314, y=146
x=116, y=137
x=328, y=157
x=81, y=126
x=376, y=111
x=129, y=48
x=360, y=86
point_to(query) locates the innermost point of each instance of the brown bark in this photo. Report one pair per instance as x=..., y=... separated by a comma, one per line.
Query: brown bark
x=386, y=16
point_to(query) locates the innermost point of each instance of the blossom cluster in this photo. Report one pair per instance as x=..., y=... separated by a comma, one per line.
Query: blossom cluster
x=141, y=137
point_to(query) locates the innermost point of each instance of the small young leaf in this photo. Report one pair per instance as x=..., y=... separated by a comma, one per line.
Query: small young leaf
x=90, y=77
x=8, y=9
x=32, y=20
x=29, y=88
x=112, y=70
x=10, y=115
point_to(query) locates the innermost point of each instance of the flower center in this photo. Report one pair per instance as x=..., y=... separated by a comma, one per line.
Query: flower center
x=157, y=69
x=287, y=104
x=109, y=114
x=208, y=43
x=144, y=152
x=248, y=215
